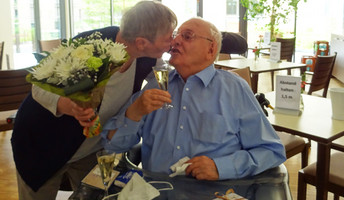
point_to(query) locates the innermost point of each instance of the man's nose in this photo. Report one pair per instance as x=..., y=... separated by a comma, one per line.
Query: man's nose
x=175, y=41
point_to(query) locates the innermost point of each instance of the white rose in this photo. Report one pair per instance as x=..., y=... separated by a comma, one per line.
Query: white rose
x=83, y=52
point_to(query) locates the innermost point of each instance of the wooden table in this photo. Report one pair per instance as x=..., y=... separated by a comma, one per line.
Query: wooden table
x=314, y=123
x=338, y=144
x=259, y=66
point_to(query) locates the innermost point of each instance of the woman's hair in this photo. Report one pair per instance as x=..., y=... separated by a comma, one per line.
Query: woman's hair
x=147, y=19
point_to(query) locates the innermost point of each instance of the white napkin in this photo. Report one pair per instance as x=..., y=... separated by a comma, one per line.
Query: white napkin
x=138, y=188
x=179, y=167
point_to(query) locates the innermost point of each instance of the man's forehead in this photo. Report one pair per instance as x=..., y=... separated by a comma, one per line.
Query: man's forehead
x=193, y=25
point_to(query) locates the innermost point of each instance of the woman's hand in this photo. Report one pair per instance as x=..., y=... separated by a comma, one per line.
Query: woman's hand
x=68, y=107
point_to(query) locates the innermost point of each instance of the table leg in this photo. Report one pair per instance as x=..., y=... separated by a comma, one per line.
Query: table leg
x=254, y=82
x=323, y=168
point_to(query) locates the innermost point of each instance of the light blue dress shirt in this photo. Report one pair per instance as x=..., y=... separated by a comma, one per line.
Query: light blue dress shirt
x=215, y=114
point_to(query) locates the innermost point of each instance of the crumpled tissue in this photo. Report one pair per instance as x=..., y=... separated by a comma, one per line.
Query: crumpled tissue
x=179, y=167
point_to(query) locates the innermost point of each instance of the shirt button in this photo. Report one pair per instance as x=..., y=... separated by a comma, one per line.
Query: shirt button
x=178, y=147
x=184, y=107
x=187, y=89
x=181, y=127
x=125, y=125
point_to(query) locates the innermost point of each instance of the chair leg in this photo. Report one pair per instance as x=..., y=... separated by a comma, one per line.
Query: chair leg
x=301, y=187
x=272, y=80
x=304, y=155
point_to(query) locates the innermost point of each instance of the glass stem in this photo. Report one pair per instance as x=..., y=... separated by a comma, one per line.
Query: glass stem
x=106, y=193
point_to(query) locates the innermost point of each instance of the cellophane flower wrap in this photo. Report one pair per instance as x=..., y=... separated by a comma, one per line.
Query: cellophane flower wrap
x=79, y=69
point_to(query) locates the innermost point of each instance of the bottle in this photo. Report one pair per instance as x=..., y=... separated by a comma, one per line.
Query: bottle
x=303, y=86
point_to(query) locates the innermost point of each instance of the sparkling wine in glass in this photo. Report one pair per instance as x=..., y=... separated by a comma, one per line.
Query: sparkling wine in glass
x=106, y=163
x=161, y=75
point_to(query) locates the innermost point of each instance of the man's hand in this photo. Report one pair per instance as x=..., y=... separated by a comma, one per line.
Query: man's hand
x=202, y=168
x=68, y=107
x=149, y=101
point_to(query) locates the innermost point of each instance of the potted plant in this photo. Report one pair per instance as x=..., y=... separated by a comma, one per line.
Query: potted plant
x=277, y=10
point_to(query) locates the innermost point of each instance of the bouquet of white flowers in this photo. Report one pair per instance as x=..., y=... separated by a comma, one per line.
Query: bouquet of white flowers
x=79, y=69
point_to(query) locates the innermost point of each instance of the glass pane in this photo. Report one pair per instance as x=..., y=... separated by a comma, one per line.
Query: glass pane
x=90, y=14
x=119, y=7
x=316, y=20
x=50, y=19
x=184, y=9
x=232, y=7
x=224, y=14
x=23, y=26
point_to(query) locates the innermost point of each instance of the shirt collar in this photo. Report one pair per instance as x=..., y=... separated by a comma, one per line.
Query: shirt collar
x=205, y=75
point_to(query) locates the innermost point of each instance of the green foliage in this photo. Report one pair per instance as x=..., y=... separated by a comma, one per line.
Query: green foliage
x=276, y=10
x=98, y=11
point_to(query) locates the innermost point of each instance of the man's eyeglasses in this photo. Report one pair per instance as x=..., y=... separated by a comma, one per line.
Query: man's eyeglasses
x=189, y=36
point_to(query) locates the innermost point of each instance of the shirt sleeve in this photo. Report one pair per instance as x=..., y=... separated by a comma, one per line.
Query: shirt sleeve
x=47, y=99
x=127, y=131
x=261, y=147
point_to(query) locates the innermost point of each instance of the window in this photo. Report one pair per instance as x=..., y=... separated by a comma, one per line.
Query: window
x=184, y=9
x=23, y=26
x=218, y=14
x=89, y=14
x=50, y=20
x=232, y=6
x=41, y=21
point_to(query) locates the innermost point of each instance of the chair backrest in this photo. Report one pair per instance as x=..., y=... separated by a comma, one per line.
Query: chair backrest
x=244, y=73
x=13, y=88
x=2, y=45
x=48, y=45
x=224, y=56
x=322, y=73
x=287, y=48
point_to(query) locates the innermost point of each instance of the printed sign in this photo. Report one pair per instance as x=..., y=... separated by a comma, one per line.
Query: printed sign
x=288, y=92
x=275, y=51
x=267, y=36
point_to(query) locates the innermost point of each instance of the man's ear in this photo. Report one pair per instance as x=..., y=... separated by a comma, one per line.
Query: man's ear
x=212, y=50
x=141, y=43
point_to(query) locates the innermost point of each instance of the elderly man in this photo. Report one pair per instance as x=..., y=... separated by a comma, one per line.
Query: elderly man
x=215, y=119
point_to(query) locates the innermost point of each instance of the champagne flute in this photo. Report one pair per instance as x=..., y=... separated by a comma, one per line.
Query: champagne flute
x=106, y=163
x=161, y=75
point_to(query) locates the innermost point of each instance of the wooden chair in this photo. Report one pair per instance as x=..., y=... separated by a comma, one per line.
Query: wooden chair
x=307, y=175
x=294, y=145
x=322, y=74
x=48, y=45
x=2, y=45
x=287, y=48
x=244, y=73
x=13, y=90
x=224, y=56
x=287, y=52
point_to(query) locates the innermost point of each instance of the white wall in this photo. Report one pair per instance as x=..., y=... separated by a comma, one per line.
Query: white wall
x=6, y=31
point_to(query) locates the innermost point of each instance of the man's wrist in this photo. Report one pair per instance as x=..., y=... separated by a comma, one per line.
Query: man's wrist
x=131, y=114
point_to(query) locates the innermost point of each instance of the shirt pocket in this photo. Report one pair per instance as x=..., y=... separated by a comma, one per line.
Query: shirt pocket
x=210, y=128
